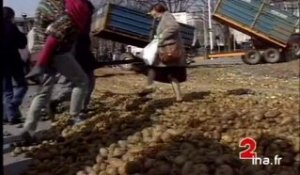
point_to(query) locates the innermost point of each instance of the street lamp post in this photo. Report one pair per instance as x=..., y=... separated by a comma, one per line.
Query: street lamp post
x=210, y=26
x=298, y=16
x=204, y=27
x=25, y=27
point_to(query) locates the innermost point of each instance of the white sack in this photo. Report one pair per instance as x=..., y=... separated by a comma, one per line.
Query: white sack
x=30, y=40
x=150, y=51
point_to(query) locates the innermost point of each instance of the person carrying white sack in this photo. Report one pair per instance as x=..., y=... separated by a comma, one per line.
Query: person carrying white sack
x=168, y=65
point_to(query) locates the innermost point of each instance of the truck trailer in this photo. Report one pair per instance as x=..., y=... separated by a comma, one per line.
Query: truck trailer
x=274, y=32
x=130, y=26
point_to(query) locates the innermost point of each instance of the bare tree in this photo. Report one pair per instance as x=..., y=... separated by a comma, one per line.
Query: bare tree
x=172, y=5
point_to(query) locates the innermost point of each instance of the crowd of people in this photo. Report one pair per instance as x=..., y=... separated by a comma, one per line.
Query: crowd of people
x=61, y=46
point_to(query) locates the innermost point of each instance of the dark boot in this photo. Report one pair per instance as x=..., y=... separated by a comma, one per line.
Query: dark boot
x=5, y=121
x=15, y=121
x=27, y=138
x=23, y=139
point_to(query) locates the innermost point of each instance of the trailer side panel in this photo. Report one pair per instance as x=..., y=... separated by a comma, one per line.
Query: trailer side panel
x=258, y=20
x=129, y=26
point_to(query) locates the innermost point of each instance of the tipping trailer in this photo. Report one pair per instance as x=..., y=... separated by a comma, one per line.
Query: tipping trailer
x=275, y=33
x=130, y=26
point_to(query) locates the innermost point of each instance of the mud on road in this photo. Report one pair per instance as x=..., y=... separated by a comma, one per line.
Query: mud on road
x=223, y=103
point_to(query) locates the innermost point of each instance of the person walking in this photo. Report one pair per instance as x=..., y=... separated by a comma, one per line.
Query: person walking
x=58, y=24
x=87, y=61
x=30, y=62
x=13, y=68
x=168, y=33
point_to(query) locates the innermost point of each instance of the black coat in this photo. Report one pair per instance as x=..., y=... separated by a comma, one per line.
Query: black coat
x=12, y=41
x=83, y=53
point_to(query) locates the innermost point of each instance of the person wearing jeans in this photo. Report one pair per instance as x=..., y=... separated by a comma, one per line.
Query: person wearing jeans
x=13, y=96
x=13, y=68
x=57, y=26
x=65, y=93
x=87, y=61
x=74, y=73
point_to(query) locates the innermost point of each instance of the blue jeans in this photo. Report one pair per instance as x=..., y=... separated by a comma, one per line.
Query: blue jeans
x=66, y=65
x=13, y=96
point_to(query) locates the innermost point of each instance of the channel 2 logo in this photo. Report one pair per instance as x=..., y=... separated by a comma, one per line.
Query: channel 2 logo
x=249, y=145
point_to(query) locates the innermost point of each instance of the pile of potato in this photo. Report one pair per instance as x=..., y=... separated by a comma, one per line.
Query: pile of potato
x=133, y=135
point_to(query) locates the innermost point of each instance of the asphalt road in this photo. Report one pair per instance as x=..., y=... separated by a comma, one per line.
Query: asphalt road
x=16, y=165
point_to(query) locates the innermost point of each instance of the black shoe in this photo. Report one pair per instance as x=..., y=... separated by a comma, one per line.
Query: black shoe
x=53, y=106
x=27, y=139
x=15, y=121
x=5, y=121
x=18, y=113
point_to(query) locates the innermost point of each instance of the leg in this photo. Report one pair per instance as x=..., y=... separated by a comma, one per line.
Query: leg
x=150, y=79
x=92, y=80
x=151, y=76
x=19, y=91
x=64, y=93
x=77, y=77
x=176, y=89
x=7, y=97
x=40, y=101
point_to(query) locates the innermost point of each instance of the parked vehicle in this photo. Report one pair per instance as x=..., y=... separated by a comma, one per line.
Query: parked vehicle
x=275, y=33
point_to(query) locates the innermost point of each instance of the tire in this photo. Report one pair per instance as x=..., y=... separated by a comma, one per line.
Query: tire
x=252, y=57
x=127, y=56
x=190, y=60
x=272, y=56
x=293, y=48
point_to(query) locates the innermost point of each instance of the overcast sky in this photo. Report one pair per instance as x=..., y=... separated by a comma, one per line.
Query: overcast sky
x=22, y=6
x=25, y=6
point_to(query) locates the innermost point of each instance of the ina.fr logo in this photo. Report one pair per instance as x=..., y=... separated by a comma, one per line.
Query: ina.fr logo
x=249, y=145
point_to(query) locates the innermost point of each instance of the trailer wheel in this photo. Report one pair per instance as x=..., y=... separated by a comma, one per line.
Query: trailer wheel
x=293, y=49
x=296, y=49
x=272, y=55
x=127, y=56
x=252, y=57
